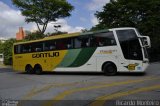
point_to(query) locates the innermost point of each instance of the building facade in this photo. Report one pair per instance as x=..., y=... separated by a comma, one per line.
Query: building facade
x=20, y=35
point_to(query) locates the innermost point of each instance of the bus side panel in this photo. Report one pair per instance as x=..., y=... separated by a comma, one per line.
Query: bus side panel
x=95, y=62
x=78, y=60
x=47, y=60
x=106, y=54
x=89, y=66
x=50, y=63
x=17, y=62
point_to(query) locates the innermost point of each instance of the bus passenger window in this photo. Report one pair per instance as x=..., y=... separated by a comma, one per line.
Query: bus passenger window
x=26, y=48
x=52, y=47
x=85, y=42
x=105, y=39
x=100, y=41
x=69, y=43
x=17, y=49
x=37, y=47
x=49, y=45
x=94, y=41
x=46, y=48
x=60, y=44
x=77, y=43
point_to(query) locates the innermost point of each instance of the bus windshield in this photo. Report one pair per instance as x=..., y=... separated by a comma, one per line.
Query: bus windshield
x=130, y=44
x=143, y=43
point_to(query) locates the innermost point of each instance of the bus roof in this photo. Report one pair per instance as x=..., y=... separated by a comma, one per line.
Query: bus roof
x=64, y=36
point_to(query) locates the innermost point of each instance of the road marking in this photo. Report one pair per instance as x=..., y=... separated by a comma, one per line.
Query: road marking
x=20, y=103
x=62, y=95
x=35, y=91
x=100, y=101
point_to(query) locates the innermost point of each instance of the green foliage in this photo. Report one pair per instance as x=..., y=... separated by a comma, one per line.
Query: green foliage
x=34, y=36
x=142, y=14
x=84, y=30
x=7, y=51
x=43, y=11
x=98, y=27
x=1, y=47
x=56, y=33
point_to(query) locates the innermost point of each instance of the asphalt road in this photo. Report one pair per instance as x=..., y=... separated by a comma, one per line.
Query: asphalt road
x=80, y=89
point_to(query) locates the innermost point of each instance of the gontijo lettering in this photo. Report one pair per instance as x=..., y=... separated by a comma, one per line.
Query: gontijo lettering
x=42, y=55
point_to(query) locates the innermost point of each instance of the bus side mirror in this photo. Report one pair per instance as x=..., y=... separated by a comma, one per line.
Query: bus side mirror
x=146, y=41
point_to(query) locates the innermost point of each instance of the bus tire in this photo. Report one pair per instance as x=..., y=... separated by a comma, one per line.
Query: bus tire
x=109, y=69
x=38, y=69
x=29, y=69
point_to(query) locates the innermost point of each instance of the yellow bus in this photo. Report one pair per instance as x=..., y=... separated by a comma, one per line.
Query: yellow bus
x=109, y=51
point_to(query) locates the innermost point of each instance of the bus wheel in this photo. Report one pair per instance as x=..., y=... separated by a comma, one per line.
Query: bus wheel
x=38, y=69
x=109, y=69
x=29, y=69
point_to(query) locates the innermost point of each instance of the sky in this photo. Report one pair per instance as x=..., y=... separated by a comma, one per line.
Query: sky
x=82, y=17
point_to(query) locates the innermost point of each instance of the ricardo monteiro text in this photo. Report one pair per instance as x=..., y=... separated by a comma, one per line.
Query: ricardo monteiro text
x=42, y=55
x=125, y=103
x=137, y=103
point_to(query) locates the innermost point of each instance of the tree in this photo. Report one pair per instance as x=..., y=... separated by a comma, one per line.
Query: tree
x=43, y=11
x=1, y=47
x=7, y=51
x=34, y=36
x=142, y=14
x=56, y=33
